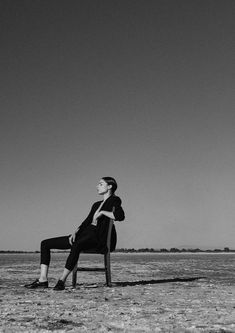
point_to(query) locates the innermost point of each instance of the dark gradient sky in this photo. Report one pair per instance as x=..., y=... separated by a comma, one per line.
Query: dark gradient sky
x=143, y=91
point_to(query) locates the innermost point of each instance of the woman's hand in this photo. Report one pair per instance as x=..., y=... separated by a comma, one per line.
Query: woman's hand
x=95, y=218
x=97, y=215
x=72, y=238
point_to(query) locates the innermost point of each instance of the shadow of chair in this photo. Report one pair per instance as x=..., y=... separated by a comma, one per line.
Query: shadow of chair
x=107, y=265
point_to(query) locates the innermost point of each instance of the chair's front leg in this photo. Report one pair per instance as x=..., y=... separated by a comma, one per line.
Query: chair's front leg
x=107, y=269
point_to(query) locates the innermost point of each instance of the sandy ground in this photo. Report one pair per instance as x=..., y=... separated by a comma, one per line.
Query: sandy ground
x=194, y=306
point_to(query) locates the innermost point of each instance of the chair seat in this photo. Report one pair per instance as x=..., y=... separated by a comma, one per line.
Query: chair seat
x=92, y=251
x=90, y=269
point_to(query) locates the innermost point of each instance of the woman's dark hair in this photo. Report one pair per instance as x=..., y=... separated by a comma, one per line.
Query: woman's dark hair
x=111, y=181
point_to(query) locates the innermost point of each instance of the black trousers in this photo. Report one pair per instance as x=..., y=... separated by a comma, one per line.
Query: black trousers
x=85, y=241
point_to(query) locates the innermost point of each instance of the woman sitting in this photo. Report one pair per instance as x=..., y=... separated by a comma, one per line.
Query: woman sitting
x=92, y=233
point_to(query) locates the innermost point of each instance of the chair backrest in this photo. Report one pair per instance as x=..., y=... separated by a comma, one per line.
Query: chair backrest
x=109, y=234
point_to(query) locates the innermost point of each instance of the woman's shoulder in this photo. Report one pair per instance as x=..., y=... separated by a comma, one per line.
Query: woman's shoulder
x=116, y=199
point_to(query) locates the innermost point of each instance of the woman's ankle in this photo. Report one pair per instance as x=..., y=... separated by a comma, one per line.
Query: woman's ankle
x=63, y=279
x=43, y=279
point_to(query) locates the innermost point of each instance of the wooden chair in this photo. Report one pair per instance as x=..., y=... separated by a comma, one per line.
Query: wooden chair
x=107, y=266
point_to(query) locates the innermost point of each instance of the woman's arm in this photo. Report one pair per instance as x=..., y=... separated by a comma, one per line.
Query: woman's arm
x=83, y=225
x=117, y=213
x=89, y=218
x=104, y=212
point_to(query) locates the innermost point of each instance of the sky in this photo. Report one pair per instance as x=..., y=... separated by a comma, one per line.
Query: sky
x=142, y=91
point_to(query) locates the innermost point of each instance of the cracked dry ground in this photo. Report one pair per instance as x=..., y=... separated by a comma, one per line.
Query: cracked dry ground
x=202, y=305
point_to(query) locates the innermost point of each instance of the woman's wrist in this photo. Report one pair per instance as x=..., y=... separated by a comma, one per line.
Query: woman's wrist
x=108, y=214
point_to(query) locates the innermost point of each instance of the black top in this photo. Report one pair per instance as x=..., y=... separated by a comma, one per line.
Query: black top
x=112, y=204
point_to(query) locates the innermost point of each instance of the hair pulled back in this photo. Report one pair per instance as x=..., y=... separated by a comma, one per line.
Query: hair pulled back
x=111, y=181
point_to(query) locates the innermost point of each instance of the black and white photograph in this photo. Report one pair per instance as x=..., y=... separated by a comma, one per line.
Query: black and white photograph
x=117, y=167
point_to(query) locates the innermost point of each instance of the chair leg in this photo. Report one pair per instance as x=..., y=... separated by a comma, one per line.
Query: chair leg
x=74, y=276
x=107, y=269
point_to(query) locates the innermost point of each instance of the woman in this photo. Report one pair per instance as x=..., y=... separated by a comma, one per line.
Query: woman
x=91, y=233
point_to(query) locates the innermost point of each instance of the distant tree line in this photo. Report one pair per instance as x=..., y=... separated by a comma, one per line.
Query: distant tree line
x=146, y=249
x=17, y=251
x=172, y=250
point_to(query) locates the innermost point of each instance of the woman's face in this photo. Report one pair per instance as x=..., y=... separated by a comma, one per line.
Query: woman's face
x=103, y=187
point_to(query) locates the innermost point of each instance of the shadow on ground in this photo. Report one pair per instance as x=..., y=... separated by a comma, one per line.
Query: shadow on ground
x=145, y=282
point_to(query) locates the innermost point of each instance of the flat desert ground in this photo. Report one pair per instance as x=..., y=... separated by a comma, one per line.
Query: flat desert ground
x=188, y=293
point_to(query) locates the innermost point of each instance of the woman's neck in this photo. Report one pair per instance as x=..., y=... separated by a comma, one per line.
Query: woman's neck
x=106, y=196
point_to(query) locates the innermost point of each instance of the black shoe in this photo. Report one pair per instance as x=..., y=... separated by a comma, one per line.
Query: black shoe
x=59, y=285
x=37, y=284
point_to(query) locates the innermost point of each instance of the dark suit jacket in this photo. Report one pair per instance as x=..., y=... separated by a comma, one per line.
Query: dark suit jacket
x=112, y=204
